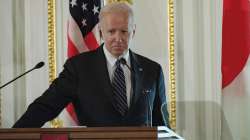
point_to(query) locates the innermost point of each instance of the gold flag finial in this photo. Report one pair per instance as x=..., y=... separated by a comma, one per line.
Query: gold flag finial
x=56, y=123
x=127, y=1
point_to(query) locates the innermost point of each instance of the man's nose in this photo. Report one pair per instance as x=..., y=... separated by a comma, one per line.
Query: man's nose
x=118, y=37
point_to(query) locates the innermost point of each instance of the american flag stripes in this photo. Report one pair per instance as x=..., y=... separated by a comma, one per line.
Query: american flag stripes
x=82, y=31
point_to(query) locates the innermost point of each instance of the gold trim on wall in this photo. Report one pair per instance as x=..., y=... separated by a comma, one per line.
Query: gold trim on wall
x=128, y=1
x=52, y=50
x=171, y=59
x=52, y=39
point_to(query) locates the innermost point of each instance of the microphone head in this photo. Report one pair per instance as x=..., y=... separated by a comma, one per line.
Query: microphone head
x=39, y=65
x=123, y=61
x=164, y=113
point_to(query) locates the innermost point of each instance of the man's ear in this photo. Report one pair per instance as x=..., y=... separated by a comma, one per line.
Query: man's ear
x=99, y=30
x=134, y=28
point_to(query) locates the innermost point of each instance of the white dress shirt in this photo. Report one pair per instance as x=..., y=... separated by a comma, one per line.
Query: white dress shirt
x=127, y=73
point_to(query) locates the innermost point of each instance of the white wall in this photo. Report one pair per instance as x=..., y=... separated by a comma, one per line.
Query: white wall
x=23, y=38
x=6, y=67
x=62, y=15
x=151, y=37
x=198, y=49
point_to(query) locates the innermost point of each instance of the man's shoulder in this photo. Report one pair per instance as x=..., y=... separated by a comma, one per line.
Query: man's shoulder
x=84, y=55
x=143, y=60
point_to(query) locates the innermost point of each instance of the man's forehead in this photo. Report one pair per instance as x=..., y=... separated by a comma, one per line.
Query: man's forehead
x=118, y=16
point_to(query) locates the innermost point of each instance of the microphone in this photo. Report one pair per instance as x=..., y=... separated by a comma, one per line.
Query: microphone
x=124, y=62
x=164, y=113
x=38, y=65
x=146, y=92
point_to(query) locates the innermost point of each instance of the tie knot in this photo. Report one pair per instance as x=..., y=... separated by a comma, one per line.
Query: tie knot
x=118, y=62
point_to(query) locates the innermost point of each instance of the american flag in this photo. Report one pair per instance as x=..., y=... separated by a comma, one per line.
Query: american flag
x=82, y=32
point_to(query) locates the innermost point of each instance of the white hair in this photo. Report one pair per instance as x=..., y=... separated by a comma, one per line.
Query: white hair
x=117, y=8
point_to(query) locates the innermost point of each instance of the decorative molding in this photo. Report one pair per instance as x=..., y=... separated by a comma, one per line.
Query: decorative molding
x=52, y=39
x=128, y=1
x=171, y=59
x=56, y=123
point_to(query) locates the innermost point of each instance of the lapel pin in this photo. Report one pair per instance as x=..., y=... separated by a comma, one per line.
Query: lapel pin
x=146, y=91
x=140, y=69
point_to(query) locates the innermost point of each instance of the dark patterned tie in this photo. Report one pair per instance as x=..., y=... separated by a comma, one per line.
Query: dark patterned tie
x=119, y=89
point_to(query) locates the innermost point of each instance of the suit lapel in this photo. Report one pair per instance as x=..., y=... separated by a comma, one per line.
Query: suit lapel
x=137, y=77
x=103, y=74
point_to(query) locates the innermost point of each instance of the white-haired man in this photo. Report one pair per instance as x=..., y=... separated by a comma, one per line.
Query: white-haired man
x=110, y=86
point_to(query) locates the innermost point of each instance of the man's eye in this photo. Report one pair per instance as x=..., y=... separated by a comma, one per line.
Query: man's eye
x=111, y=31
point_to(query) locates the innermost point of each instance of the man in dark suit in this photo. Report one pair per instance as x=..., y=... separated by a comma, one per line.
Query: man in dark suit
x=101, y=94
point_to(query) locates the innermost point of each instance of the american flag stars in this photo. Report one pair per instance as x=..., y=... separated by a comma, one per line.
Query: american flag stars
x=84, y=22
x=84, y=7
x=85, y=13
x=95, y=10
x=73, y=3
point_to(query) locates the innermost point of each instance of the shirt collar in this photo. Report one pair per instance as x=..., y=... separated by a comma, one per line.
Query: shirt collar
x=111, y=59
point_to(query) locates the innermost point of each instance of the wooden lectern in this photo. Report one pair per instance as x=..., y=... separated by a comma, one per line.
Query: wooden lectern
x=90, y=133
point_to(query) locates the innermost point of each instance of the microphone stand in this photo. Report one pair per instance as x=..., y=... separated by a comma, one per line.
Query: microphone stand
x=39, y=65
x=146, y=93
x=149, y=109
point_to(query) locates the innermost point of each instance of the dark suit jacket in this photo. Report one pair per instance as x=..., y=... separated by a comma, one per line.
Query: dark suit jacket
x=85, y=82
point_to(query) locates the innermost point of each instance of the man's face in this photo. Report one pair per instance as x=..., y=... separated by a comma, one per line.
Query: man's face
x=117, y=32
